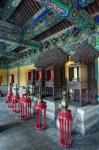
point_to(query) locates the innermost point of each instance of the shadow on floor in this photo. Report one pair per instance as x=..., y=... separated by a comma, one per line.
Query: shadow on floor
x=8, y=126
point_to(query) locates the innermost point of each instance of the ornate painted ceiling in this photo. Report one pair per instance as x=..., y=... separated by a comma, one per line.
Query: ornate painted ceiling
x=30, y=27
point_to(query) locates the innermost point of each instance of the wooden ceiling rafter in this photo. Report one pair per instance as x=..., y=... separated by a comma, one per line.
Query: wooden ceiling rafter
x=24, y=12
x=28, y=8
x=55, y=29
x=93, y=7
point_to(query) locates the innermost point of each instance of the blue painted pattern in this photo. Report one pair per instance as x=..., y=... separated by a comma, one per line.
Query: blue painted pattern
x=37, y=19
x=82, y=3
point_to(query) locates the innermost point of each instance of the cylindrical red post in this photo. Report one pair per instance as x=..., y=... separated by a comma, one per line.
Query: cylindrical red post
x=65, y=121
x=40, y=110
x=25, y=106
x=16, y=104
x=52, y=73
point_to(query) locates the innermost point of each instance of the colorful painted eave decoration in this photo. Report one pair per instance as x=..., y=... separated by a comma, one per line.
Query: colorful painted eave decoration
x=47, y=23
x=9, y=48
x=35, y=19
x=24, y=61
x=9, y=36
x=97, y=28
x=70, y=43
x=82, y=3
x=81, y=18
x=97, y=43
x=8, y=26
x=97, y=19
x=9, y=8
x=57, y=6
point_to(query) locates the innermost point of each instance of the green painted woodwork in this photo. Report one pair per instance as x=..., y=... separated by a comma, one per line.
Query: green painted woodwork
x=29, y=44
x=4, y=67
x=66, y=5
x=64, y=40
x=80, y=17
x=29, y=22
x=9, y=49
x=97, y=76
x=11, y=34
x=47, y=23
x=83, y=3
x=4, y=25
x=97, y=42
x=23, y=62
x=14, y=36
x=68, y=42
x=9, y=8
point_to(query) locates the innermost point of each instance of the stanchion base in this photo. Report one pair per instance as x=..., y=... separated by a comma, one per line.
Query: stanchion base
x=17, y=111
x=37, y=128
x=10, y=106
x=65, y=145
x=24, y=118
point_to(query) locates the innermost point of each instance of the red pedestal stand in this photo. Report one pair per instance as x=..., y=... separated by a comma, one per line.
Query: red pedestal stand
x=16, y=104
x=9, y=100
x=25, y=105
x=40, y=110
x=65, y=120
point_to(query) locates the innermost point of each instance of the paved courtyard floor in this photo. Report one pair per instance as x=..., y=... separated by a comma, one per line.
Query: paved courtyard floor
x=21, y=135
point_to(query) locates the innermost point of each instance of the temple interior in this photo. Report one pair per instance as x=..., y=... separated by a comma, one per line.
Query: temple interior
x=49, y=74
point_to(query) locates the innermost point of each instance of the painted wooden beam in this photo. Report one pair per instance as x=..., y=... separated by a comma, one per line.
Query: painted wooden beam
x=57, y=6
x=11, y=55
x=7, y=37
x=8, y=49
x=97, y=36
x=10, y=27
x=9, y=8
x=83, y=3
x=43, y=12
x=80, y=17
x=79, y=3
x=97, y=77
x=29, y=44
x=65, y=5
x=69, y=43
x=12, y=34
x=47, y=23
x=97, y=19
